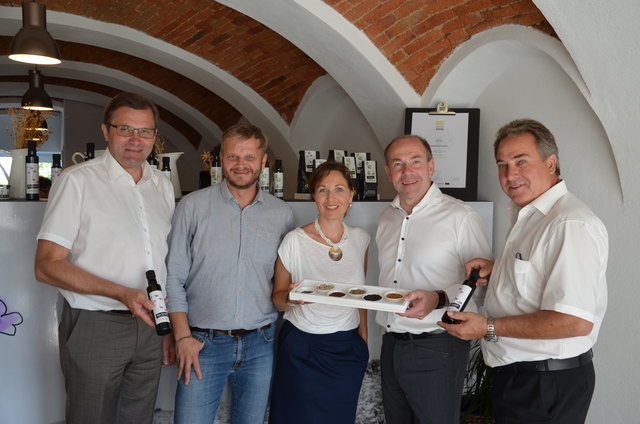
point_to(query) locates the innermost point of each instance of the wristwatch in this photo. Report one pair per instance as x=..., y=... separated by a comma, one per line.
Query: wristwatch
x=442, y=299
x=491, y=330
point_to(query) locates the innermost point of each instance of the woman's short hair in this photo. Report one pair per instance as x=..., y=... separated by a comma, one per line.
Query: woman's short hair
x=323, y=170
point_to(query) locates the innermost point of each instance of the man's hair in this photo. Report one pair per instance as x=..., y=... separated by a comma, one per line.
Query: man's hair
x=132, y=100
x=424, y=142
x=245, y=132
x=323, y=170
x=545, y=141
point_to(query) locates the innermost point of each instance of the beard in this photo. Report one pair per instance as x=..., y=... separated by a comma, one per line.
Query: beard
x=235, y=184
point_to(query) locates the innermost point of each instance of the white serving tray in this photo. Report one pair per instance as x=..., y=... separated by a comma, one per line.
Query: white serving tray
x=310, y=291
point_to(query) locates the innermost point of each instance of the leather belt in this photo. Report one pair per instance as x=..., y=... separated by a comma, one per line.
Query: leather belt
x=233, y=333
x=550, y=364
x=411, y=336
x=120, y=312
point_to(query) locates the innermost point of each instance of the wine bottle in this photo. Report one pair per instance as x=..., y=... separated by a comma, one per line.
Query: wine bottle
x=91, y=151
x=166, y=167
x=462, y=297
x=216, y=169
x=32, y=182
x=160, y=314
x=152, y=159
x=278, y=180
x=56, y=166
x=265, y=178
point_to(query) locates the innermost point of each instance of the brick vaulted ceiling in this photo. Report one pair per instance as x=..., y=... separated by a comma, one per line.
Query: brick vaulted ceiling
x=415, y=36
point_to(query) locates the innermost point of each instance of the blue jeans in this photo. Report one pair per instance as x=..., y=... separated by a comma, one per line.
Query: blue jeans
x=246, y=361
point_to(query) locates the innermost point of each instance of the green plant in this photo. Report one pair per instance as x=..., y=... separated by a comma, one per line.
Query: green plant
x=476, y=395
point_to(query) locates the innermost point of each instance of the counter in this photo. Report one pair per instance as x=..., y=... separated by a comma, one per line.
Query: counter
x=32, y=389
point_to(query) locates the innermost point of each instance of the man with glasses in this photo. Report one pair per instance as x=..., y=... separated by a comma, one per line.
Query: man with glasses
x=105, y=225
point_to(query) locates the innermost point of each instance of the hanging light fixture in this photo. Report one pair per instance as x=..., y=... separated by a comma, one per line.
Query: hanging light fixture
x=36, y=98
x=33, y=43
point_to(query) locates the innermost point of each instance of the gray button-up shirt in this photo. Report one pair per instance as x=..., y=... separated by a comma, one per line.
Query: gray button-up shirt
x=221, y=258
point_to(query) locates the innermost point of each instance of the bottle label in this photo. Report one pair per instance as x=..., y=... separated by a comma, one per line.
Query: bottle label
x=278, y=184
x=318, y=162
x=461, y=297
x=160, y=310
x=32, y=182
x=360, y=157
x=216, y=175
x=264, y=179
x=309, y=157
x=55, y=173
x=350, y=163
x=370, y=174
x=338, y=155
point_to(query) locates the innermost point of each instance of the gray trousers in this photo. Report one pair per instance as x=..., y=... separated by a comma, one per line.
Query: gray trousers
x=422, y=379
x=111, y=365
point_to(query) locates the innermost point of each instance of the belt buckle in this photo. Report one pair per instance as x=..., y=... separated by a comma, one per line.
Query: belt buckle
x=230, y=333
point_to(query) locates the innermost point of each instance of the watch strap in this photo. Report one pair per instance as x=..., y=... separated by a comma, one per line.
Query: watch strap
x=491, y=330
x=442, y=299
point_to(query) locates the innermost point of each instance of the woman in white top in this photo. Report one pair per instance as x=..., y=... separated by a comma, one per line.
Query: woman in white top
x=322, y=349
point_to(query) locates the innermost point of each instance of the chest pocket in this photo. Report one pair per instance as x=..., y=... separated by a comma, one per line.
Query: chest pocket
x=528, y=283
x=265, y=246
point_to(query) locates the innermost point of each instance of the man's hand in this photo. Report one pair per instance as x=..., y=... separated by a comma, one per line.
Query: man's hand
x=484, y=265
x=187, y=350
x=473, y=326
x=168, y=350
x=139, y=305
x=422, y=303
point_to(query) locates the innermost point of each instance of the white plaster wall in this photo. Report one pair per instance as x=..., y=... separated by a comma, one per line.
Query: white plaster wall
x=328, y=118
x=536, y=86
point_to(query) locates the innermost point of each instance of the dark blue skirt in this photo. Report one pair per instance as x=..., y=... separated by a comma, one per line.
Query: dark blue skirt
x=317, y=377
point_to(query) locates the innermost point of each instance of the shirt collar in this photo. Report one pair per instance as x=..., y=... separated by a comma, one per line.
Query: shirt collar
x=115, y=170
x=431, y=197
x=542, y=203
x=226, y=194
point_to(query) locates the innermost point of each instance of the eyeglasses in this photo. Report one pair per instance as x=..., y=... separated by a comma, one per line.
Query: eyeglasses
x=127, y=131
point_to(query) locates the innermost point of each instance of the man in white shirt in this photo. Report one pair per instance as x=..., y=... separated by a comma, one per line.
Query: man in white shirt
x=547, y=293
x=424, y=238
x=105, y=225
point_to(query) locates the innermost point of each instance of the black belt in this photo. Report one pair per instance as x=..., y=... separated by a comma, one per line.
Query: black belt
x=411, y=336
x=233, y=333
x=120, y=312
x=550, y=364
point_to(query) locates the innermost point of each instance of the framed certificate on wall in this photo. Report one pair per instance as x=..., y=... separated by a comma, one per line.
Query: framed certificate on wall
x=453, y=137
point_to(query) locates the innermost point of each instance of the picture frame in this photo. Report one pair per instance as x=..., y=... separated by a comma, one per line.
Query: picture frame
x=453, y=135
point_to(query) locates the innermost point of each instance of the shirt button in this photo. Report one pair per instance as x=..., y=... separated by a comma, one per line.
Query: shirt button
x=407, y=218
x=388, y=326
x=402, y=239
x=395, y=281
x=399, y=260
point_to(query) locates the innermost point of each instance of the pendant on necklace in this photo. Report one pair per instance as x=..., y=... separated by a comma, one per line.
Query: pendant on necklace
x=335, y=253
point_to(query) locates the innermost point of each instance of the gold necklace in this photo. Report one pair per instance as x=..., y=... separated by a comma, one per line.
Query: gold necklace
x=335, y=253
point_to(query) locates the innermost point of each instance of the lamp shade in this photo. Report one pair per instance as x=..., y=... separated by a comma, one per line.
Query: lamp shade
x=36, y=98
x=33, y=43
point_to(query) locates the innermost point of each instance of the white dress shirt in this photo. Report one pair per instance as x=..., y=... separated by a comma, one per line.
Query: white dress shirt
x=113, y=227
x=555, y=258
x=427, y=249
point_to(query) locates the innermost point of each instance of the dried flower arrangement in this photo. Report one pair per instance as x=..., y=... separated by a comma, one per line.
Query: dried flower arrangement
x=158, y=147
x=26, y=125
x=207, y=159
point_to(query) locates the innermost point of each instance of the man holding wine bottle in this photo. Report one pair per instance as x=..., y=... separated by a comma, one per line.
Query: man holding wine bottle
x=547, y=293
x=222, y=254
x=106, y=225
x=424, y=238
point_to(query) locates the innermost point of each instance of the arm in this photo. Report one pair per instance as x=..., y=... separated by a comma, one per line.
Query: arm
x=538, y=325
x=281, y=286
x=52, y=267
x=187, y=347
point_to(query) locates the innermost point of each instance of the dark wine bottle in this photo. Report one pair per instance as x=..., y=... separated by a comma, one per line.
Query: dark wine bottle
x=166, y=167
x=216, y=168
x=91, y=151
x=152, y=159
x=303, y=185
x=32, y=171
x=278, y=180
x=56, y=166
x=160, y=314
x=462, y=297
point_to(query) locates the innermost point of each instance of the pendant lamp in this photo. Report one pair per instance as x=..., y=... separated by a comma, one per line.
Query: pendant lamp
x=33, y=43
x=36, y=98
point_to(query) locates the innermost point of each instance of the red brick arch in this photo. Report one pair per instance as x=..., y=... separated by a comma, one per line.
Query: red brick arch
x=415, y=36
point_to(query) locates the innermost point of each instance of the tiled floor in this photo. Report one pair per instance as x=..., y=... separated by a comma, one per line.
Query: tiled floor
x=369, y=404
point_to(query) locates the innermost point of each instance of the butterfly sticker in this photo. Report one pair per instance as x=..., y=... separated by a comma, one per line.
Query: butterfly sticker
x=8, y=320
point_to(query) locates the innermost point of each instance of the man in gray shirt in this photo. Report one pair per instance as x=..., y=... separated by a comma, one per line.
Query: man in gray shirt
x=222, y=250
